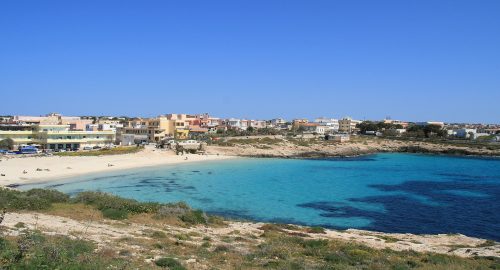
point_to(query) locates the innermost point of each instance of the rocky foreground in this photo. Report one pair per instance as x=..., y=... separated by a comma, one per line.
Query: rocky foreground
x=147, y=241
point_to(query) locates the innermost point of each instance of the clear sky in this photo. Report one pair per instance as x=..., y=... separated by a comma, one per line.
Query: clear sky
x=411, y=60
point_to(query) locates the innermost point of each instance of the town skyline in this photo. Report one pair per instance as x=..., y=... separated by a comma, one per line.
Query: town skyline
x=266, y=118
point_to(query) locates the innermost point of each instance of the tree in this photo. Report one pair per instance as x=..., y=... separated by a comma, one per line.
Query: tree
x=367, y=126
x=433, y=130
x=250, y=129
x=301, y=129
x=7, y=144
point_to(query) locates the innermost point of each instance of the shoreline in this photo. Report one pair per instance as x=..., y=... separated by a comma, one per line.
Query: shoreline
x=20, y=171
x=327, y=155
x=54, y=168
x=358, y=147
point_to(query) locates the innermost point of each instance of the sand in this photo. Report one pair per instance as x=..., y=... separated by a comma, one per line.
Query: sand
x=17, y=170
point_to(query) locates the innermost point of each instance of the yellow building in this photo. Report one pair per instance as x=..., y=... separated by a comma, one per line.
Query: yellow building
x=56, y=136
x=157, y=129
x=348, y=125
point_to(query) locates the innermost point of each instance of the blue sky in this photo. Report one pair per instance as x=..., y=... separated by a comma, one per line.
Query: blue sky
x=411, y=60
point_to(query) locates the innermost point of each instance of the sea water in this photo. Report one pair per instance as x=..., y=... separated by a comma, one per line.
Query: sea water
x=408, y=193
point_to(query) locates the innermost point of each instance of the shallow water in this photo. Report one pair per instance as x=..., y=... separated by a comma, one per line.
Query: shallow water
x=383, y=192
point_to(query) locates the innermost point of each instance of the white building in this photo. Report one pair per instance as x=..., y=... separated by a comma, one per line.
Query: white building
x=111, y=127
x=234, y=123
x=331, y=123
x=465, y=133
x=278, y=121
x=435, y=123
x=258, y=123
x=339, y=137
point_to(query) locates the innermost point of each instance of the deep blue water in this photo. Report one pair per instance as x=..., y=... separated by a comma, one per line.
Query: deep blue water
x=384, y=192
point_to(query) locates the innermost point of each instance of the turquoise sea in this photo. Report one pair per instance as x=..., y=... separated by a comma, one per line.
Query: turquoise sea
x=411, y=193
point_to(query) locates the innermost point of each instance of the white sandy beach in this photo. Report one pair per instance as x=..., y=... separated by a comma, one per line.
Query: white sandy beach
x=39, y=169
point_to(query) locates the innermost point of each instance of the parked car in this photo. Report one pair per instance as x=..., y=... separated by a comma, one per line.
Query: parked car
x=3, y=151
x=187, y=142
x=87, y=148
x=28, y=149
x=96, y=147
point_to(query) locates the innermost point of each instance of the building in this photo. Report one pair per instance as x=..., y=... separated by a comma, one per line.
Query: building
x=156, y=129
x=465, y=133
x=74, y=122
x=56, y=136
x=338, y=137
x=296, y=123
x=234, y=123
x=278, y=122
x=5, y=119
x=435, y=123
x=396, y=122
x=331, y=123
x=348, y=125
x=256, y=124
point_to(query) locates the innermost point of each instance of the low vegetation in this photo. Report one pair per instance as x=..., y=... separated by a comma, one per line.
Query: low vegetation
x=112, y=207
x=273, y=246
x=169, y=263
x=34, y=250
x=103, y=152
x=281, y=251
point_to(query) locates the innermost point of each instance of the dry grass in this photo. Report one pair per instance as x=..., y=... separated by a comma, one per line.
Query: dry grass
x=77, y=211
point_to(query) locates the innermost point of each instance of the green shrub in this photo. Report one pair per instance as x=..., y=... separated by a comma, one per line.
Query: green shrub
x=194, y=217
x=171, y=263
x=487, y=243
x=221, y=248
x=32, y=250
x=316, y=230
x=158, y=234
x=337, y=258
x=437, y=259
x=315, y=244
x=19, y=225
x=116, y=214
x=52, y=195
x=35, y=199
x=118, y=208
x=104, y=201
x=172, y=210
